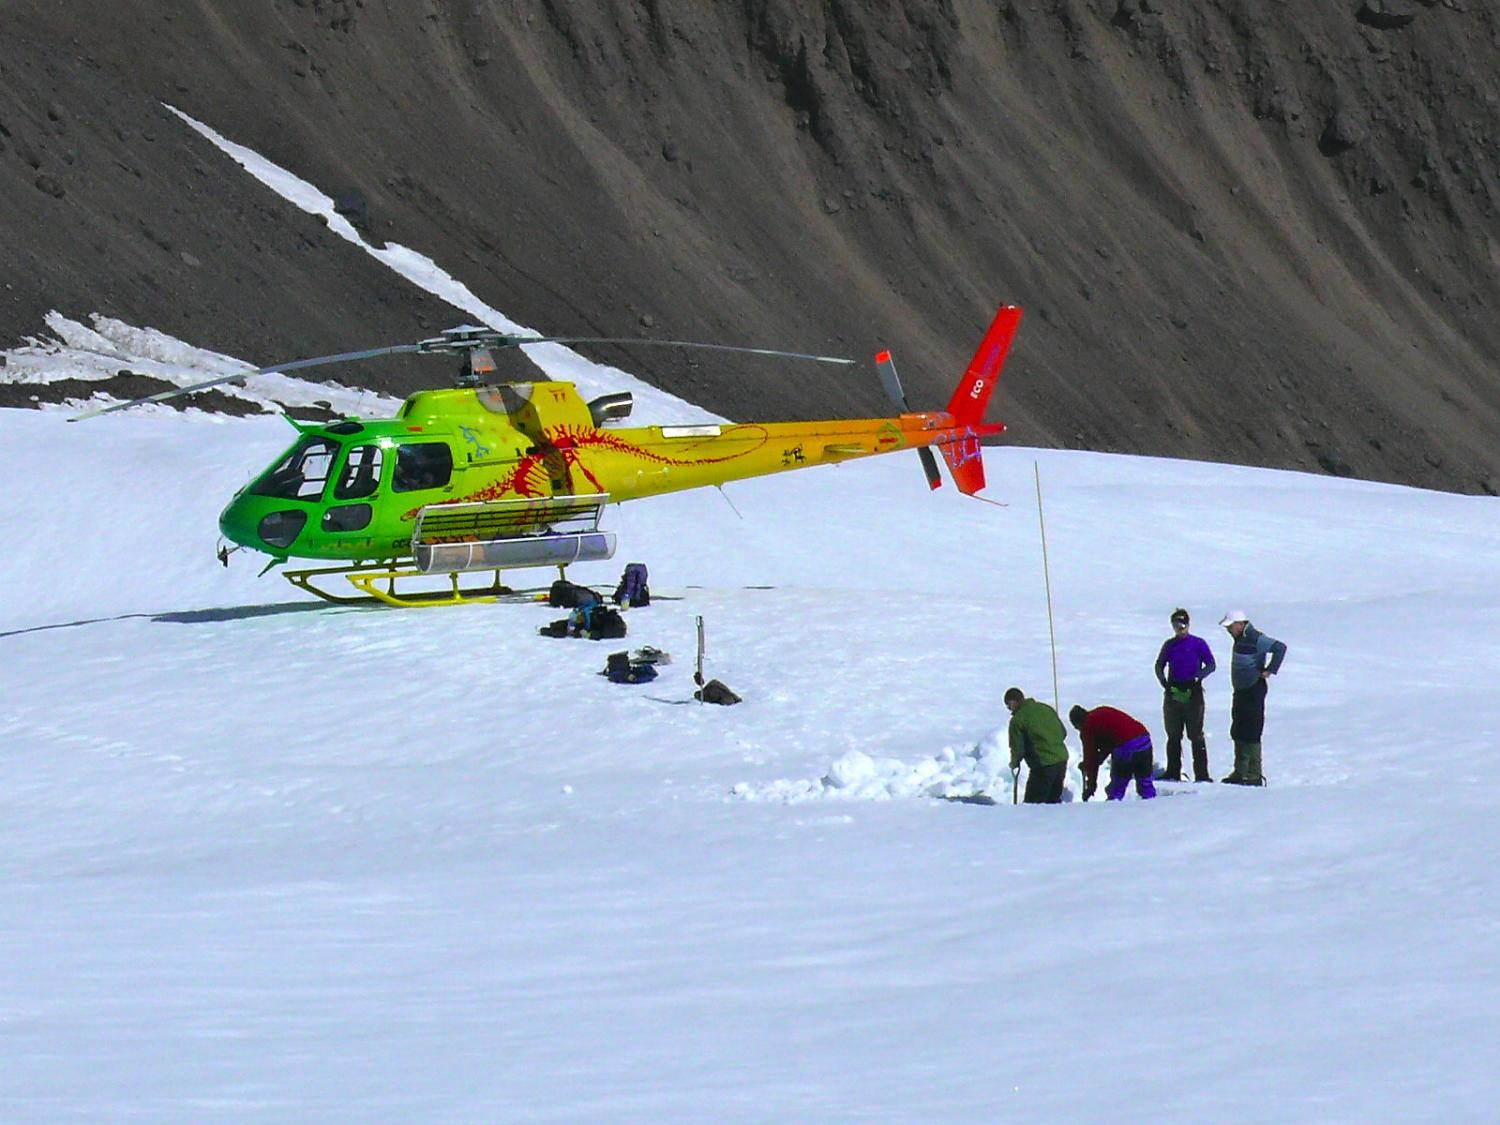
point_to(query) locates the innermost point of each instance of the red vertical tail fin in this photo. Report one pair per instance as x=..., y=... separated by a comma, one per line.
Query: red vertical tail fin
x=973, y=393
x=962, y=452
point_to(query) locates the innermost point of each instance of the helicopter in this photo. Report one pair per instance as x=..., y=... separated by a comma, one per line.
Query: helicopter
x=485, y=477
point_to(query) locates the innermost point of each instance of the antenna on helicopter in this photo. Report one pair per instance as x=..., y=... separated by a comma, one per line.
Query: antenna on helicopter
x=470, y=341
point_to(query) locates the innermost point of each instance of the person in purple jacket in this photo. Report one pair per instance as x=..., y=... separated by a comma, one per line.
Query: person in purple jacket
x=1181, y=667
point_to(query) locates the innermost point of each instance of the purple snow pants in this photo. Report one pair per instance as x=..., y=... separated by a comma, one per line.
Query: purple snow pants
x=1131, y=760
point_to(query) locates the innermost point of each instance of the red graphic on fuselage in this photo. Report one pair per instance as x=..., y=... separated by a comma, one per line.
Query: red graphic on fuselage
x=531, y=478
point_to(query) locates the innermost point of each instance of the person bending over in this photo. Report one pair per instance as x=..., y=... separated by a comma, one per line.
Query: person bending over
x=1109, y=732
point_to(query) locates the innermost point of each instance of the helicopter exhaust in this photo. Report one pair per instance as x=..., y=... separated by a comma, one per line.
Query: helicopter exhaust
x=611, y=408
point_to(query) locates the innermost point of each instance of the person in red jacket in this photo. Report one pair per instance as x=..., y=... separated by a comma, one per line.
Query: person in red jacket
x=1109, y=732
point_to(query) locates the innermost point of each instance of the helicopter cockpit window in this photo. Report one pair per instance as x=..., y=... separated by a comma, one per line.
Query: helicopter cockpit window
x=301, y=474
x=422, y=465
x=361, y=473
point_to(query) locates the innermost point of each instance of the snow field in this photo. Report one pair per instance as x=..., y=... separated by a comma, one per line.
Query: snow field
x=268, y=859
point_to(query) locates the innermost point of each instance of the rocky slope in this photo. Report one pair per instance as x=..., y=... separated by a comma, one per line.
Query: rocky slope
x=1246, y=230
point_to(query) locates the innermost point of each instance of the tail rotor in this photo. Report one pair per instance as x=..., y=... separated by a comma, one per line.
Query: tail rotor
x=892, y=384
x=964, y=425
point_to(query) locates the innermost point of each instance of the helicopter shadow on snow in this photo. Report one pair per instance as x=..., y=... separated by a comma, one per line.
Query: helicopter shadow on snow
x=193, y=616
x=245, y=612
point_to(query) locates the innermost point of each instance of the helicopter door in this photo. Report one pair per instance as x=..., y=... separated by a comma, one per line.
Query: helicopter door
x=357, y=480
x=361, y=474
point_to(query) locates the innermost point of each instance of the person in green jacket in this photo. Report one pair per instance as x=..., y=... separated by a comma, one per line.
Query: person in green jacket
x=1037, y=735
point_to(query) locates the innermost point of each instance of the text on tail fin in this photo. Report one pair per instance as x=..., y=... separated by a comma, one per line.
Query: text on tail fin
x=973, y=393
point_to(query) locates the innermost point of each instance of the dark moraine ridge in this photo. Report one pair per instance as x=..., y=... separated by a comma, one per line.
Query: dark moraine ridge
x=1243, y=230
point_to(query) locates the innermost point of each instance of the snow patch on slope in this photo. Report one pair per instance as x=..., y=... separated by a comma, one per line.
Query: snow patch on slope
x=592, y=379
x=90, y=354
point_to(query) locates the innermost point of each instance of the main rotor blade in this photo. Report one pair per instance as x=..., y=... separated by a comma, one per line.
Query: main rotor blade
x=516, y=341
x=240, y=377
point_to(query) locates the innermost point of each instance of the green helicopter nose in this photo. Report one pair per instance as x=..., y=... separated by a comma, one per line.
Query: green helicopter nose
x=263, y=523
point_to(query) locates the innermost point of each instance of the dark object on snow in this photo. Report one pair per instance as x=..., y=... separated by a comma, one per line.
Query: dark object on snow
x=566, y=595
x=597, y=622
x=619, y=669
x=633, y=589
x=716, y=692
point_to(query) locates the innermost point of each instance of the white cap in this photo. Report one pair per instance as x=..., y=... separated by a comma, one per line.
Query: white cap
x=1234, y=615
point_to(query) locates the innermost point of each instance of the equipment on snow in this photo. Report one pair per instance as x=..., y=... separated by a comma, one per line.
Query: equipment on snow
x=596, y=621
x=566, y=595
x=634, y=590
x=716, y=691
x=620, y=669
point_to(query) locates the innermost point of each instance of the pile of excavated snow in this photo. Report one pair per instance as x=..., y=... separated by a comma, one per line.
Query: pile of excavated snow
x=981, y=769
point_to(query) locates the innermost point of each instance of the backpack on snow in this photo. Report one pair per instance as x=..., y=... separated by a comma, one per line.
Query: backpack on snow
x=633, y=589
x=619, y=669
x=597, y=622
x=716, y=691
x=566, y=595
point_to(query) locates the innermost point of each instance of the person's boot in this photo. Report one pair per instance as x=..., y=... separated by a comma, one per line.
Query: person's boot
x=1200, y=763
x=1238, y=776
x=1253, y=776
x=1173, y=769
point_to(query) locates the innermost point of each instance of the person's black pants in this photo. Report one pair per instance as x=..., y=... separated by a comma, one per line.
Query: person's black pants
x=1044, y=784
x=1247, y=713
x=1177, y=716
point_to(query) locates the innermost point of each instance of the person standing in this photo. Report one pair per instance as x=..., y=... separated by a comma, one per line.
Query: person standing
x=1037, y=736
x=1108, y=732
x=1181, y=667
x=1256, y=659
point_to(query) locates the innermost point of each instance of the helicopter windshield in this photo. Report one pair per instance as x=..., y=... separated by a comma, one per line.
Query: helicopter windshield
x=301, y=474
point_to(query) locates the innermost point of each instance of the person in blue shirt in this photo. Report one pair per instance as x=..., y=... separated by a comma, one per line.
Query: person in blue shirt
x=1181, y=667
x=1256, y=659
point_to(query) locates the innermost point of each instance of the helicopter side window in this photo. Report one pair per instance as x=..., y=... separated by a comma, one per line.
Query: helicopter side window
x=361, y=473
x=301, y=474
x=421, y=466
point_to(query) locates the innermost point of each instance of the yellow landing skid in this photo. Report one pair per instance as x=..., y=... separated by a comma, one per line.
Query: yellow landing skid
x=380, y=585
